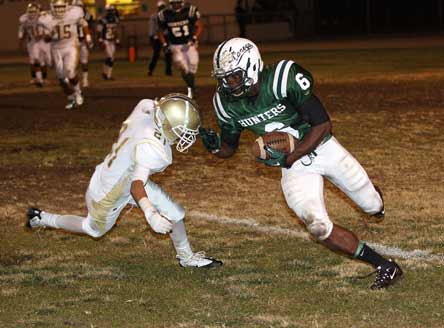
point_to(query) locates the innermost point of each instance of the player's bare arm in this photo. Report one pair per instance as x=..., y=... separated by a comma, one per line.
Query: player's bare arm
x=198, y=29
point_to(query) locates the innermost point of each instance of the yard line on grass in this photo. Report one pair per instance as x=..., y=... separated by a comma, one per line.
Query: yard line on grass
x=416, y=254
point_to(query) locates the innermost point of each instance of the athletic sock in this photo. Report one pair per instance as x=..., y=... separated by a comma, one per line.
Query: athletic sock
x=180, y=240
x=71, y=223
x=368, y=255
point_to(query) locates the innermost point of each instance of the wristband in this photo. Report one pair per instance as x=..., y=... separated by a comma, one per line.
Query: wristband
x=146, y=206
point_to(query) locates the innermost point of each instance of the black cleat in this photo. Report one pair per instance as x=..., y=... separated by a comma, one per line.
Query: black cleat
x=34, y=218
x=386, y=275
x=105, y=77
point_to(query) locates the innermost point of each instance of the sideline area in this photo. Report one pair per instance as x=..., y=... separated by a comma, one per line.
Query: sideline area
x=386, y=42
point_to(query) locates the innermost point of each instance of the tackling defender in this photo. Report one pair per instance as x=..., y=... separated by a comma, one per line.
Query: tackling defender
x=181, y=23
x=143, y=148
x=60, y=28
x=280, y=98
x=28, y=29
x=108, y=38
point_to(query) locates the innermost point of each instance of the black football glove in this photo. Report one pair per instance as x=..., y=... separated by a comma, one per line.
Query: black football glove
x=210, y=139
x=277, y=158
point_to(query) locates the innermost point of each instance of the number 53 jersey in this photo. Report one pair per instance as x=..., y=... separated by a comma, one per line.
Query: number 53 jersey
x=139, y=151
x=64, y=31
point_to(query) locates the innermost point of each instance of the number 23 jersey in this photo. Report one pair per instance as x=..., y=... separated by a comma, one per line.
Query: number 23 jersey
x=140, y=151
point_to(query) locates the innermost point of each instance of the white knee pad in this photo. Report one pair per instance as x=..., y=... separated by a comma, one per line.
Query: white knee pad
x=319, y=228
x=93, y=229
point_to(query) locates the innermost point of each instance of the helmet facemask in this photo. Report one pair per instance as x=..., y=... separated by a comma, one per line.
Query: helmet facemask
x=177, y=5
x=236, y=66
x=58, y=8
x=33, y=11
x=178, y=119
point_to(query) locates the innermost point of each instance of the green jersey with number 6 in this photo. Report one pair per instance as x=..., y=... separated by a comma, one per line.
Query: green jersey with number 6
x=284, y=86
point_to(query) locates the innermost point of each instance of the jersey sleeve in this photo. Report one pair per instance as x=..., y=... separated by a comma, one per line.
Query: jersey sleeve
x=149, y=158
x=226, y=123
x=293, y=82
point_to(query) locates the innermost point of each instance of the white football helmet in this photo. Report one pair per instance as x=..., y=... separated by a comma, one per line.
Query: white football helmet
x=33, y=10
x=78, y=3
x=58, y=8
x=237, y=56
x=177, y=117
x=177, y=4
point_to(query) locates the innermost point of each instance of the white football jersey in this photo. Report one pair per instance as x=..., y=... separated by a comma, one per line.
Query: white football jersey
x=28, y=27
x=64, y=31
x=139, y=148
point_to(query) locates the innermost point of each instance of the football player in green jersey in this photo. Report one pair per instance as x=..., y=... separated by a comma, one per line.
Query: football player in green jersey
x=280, y=97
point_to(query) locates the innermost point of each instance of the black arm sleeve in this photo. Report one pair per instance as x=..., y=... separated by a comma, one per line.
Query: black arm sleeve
x=313, y=111
x=231, y=139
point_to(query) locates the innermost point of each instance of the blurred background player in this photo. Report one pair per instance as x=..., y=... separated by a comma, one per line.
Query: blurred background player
x=60, y=29
x=44, y=48
x=28, y=32
x=108, y=38
x=83, y=46
x=143, y=148
x=156, y=44
x=182, y=25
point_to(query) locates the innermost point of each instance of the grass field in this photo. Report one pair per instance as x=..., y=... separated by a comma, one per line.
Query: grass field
x=386, y=108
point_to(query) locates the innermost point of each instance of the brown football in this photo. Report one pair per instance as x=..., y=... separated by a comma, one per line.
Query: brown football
x=281, y=141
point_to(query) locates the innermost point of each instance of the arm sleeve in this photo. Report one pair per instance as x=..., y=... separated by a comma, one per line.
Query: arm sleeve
x=161, y=21
x=313, y=111
x=230, y=130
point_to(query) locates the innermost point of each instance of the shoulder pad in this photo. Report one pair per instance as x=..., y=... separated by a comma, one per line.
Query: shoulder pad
x=280, y=78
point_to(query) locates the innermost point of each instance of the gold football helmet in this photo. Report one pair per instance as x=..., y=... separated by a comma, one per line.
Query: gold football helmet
x=58, y=8
x=33, y=10
x=177, y=116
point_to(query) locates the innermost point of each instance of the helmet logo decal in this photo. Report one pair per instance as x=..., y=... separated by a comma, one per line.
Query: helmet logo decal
x=237, y=56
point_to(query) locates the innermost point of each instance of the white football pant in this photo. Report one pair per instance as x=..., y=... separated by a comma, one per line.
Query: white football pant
x=303, y=186
x=186, y=57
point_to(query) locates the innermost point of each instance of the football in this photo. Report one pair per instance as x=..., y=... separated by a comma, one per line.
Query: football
x=281, y=141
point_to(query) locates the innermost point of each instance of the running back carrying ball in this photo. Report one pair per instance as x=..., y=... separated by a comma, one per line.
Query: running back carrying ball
x=281, y=141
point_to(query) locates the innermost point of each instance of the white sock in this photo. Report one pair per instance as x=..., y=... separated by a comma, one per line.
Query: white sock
x=85, y=76
x=110, y=71
x=38, y=75
x=180, y=240
x=70, y=223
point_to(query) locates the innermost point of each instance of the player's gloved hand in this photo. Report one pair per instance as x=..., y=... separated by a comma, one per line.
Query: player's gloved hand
x=89, y=41
x=157, y=222
x=210, y=139
x=193, y=41
x=101, y=43
x=117, y=42
x=277, y=158
x=166, y=49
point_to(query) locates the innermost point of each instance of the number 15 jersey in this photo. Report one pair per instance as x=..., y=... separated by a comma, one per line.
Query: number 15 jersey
x=64, y=31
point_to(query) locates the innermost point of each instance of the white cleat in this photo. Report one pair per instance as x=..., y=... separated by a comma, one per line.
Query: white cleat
x=71, y=104
x=78, y=99
x=199, y=260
